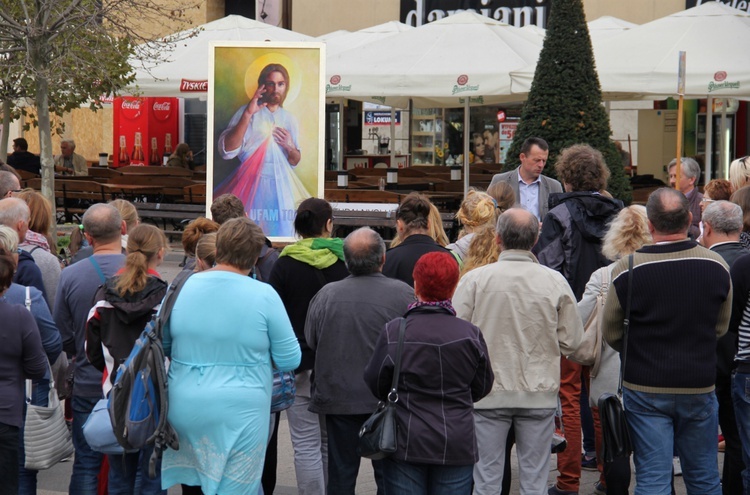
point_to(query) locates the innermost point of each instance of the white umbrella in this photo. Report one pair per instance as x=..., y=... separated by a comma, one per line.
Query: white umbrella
x=436, y=65
x=606, y=26
x=642, y=62
x=339, y=41
x=186, y=72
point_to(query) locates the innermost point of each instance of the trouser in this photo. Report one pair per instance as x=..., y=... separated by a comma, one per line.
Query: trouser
x=533, y=429
x=344, y=456
x=406, y=478
x=569, y=460
x=84, y=480
x=731, y=479
x=8, y=459
x=307, y=430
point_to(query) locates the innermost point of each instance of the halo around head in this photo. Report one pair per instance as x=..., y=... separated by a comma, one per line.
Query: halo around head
x=257, y=65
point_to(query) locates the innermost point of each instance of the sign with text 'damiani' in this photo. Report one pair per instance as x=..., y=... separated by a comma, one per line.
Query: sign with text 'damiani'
x=743, y=5
x=514, y=12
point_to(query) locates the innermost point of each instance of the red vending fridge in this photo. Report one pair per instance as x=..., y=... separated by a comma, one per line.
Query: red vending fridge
x=145, y=130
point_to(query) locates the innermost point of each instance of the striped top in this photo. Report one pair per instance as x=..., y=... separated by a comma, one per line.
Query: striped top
x=681, y=303
x=741, y=310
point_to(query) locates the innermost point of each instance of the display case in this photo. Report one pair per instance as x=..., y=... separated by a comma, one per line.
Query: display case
x=427, y=143
x=717, y=169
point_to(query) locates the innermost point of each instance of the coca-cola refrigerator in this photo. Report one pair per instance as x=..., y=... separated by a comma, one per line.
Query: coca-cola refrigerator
x=145, y=130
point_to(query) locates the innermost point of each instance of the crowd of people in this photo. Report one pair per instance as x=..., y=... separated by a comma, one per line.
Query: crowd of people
x=490, y=323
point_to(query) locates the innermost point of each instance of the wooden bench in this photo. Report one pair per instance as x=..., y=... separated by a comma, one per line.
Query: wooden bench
x=382, y=221
x=171, y=217
x=74, y=196
x=161, y=171
x=172, y=188
x=194, y=194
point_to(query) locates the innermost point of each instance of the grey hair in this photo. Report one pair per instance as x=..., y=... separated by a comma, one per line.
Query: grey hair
x=689, y=167
x=8, y=182
x=518, y=229
x=363, y=251
x=70, y=142
x=8, y=239
x=102, y=222
x=724, y=217
x=12, y=210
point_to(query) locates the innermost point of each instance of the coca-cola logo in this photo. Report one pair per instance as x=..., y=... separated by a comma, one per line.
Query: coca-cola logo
x=188, y=86
x=335, y=79
x=462, y=79
x=162, y=110
x=131, y=108
x=720, y=76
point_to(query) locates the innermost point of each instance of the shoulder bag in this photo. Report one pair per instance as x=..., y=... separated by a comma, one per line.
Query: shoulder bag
x=46, y=438
x=377, y=437
x=589, y=353
x=615, y=433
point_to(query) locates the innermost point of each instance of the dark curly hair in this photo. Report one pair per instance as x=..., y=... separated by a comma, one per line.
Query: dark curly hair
x=582, y=168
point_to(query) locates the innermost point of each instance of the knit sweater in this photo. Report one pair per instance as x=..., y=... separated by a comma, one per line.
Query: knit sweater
x=681, y=303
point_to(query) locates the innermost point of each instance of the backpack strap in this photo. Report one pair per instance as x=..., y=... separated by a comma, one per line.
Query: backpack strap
x=98, y=269
x=169, y=300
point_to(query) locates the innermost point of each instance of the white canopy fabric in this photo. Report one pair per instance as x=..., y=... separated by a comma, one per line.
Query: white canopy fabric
x=599, y=29
x=436, y=65
x=186, y=73
x=642, y=62
x=340, y=41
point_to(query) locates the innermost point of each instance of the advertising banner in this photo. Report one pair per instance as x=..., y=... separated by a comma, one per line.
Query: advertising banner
x=266, y=134
x=514, y=12
x=145, y=129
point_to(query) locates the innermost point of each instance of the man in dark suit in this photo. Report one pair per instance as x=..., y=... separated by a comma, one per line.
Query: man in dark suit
x=21, y=159
x=722, y=224
x=531, y=187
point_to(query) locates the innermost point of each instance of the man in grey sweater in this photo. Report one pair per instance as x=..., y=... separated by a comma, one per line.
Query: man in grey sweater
x=343, y=323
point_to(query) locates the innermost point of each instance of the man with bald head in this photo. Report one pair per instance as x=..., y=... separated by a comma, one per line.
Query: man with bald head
x=8, y=184
x=102, y=225
x=681, y=304
x=529, y=317
x=343, y=323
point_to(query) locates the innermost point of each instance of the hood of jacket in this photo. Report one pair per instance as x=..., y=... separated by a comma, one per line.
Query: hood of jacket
x=590, y=212
x=134, y=306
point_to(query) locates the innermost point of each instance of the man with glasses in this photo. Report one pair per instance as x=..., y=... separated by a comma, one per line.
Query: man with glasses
x=9, y=184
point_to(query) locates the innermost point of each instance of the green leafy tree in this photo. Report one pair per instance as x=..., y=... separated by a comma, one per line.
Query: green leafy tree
x=564, y=106
x=60, y=54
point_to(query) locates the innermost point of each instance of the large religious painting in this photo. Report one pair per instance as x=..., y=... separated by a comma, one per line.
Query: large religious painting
x=266, y=129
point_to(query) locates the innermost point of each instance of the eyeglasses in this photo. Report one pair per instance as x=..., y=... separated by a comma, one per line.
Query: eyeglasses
x=707, y=200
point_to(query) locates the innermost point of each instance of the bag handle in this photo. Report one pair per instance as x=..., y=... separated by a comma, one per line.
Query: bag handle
x=393, y=394
x=626, y=326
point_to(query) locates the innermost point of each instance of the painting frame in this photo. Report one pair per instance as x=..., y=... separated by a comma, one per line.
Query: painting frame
x=256, y=131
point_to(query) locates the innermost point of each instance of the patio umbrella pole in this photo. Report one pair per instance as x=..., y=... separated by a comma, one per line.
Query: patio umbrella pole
x=710, y=139
x=681, y=92
x=467, y=115
x=393, y=163
x=341, y=134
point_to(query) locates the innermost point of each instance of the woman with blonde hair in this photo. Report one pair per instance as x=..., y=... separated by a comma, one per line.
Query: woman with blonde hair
x=741, y=197
x=123, y=306
x=627, y=233
x=476, y=211
x=739, y=173
x=483, y=248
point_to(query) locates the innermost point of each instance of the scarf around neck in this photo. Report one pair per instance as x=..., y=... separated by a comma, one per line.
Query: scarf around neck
x=318, y=252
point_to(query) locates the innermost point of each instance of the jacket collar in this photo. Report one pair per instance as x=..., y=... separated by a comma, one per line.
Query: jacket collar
x=517, y=255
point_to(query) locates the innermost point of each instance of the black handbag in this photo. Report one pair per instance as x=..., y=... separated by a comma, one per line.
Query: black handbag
x=377, y=437
x=615, y=433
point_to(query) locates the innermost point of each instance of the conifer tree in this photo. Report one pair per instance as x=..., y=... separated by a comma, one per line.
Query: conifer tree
x=564, y=106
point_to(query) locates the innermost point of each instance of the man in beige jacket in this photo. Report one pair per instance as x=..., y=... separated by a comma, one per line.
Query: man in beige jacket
x=528, y=316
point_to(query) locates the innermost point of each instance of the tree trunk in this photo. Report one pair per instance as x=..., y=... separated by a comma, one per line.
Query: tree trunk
x=6, y=132
x=45, y=143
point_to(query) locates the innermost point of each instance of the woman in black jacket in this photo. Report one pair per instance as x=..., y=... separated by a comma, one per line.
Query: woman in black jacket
x=123, y=306
x=445, y=368
x=302, y=269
